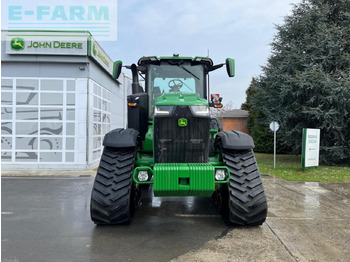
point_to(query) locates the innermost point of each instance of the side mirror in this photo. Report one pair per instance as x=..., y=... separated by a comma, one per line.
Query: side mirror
x=117, y=69
x=230, y=67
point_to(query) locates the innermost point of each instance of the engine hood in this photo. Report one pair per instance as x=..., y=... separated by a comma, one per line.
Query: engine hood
x=179, y=98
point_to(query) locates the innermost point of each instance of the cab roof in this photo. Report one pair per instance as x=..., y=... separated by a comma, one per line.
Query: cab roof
x=153, y=59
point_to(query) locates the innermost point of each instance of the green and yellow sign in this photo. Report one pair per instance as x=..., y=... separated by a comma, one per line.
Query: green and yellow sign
x=17, y=44
x=182, y=122
x=98, y=54
x=46, y=45
x=94, y=49
x=58, y=43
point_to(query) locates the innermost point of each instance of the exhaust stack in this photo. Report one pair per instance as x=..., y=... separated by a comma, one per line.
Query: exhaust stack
x=136, y=87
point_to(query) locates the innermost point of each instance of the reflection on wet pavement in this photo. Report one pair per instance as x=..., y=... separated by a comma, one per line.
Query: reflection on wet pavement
x=48, y=220
x=311, y=220
x=51, y=217
x=306, y=222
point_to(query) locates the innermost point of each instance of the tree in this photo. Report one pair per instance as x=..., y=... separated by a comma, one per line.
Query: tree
x=250, y=92
x=306, y=82
x=258, y=126
x=216, y=112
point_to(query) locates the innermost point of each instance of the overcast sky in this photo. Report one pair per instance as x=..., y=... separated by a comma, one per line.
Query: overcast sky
x=242, y=30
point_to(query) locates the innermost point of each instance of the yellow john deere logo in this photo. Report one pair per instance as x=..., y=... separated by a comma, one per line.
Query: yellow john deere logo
x=182, y=122
x=94, y=49
x=17, y=44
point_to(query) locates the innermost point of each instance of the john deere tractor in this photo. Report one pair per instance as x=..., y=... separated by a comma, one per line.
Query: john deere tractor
x=174, y=145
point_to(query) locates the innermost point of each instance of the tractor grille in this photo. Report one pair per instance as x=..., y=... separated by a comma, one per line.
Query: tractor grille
x=175, y=144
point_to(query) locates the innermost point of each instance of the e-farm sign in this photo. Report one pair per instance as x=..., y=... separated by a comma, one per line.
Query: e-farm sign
x=97, y=17
x=311, y=148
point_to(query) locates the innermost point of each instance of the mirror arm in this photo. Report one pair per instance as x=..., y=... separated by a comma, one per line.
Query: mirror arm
x=142, y=69
x=214, y=67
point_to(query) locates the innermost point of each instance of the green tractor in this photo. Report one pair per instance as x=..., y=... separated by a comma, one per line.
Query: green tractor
x=174, y=145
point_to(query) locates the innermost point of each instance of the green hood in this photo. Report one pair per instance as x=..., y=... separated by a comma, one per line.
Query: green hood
x=178, y=98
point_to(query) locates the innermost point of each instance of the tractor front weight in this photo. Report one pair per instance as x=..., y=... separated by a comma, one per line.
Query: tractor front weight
x=182, y=179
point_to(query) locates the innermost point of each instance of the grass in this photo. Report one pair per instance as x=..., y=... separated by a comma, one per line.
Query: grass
x=288, y=167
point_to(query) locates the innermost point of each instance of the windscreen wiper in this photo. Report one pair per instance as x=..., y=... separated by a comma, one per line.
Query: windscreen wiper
x=188, y=86
x=188, y=71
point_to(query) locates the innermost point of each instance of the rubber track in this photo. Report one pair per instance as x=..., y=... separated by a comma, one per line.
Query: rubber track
x=247, y=200
x=111, y=193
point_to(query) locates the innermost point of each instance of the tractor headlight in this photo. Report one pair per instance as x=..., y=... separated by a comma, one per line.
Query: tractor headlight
x=163, y=110
x=220, y=175
x=142, y=175
x=200, y=111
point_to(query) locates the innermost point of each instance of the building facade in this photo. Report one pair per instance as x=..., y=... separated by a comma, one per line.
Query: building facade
x=235, y=120
x=58, y=100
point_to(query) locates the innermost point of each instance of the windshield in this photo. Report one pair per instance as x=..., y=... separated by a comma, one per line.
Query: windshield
x=167, y=78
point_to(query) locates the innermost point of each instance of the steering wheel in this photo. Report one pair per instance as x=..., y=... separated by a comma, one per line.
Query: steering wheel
x=175, y=85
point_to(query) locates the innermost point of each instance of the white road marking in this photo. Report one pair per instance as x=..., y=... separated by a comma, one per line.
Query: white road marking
x=195, y=215
x=6, y=213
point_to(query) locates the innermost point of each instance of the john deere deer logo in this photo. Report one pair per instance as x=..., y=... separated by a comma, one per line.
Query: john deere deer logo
x=17, y=44
x=94, y=49
x=182, y=122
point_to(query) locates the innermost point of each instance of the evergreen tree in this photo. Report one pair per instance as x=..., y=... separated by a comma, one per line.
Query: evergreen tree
x=258, y=125
x=306, y=82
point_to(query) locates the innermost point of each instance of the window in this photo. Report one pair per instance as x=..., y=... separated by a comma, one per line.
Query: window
x=101, y=118
x=38, y=120
x=166, y=78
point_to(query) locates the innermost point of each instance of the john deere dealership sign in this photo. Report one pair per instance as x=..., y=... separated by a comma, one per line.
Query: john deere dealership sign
x=58, y=43
x=97, y=53
x=311, y=147
x=48, y=45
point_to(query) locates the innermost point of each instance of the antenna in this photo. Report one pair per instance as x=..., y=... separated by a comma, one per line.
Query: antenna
x=208, y=84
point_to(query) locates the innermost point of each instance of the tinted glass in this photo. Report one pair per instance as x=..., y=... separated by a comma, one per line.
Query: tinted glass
x=175, y=78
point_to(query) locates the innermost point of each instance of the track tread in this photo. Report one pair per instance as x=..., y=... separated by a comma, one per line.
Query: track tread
x=252, y=176
x=239, y=187
x=254, y=184
x=111, y=195
x=247, y=201
x=104, y=181
x=237, y=180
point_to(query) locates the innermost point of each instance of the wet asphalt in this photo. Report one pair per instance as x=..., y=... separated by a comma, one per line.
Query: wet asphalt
x=47, y=219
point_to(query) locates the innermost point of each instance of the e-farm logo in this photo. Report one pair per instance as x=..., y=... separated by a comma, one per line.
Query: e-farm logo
x=97, y=17
x=182, y=122
x=17, y=44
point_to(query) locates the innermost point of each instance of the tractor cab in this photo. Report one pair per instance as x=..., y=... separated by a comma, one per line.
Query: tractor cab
x=169, y=75
x=166, y=75
x=169, y=81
